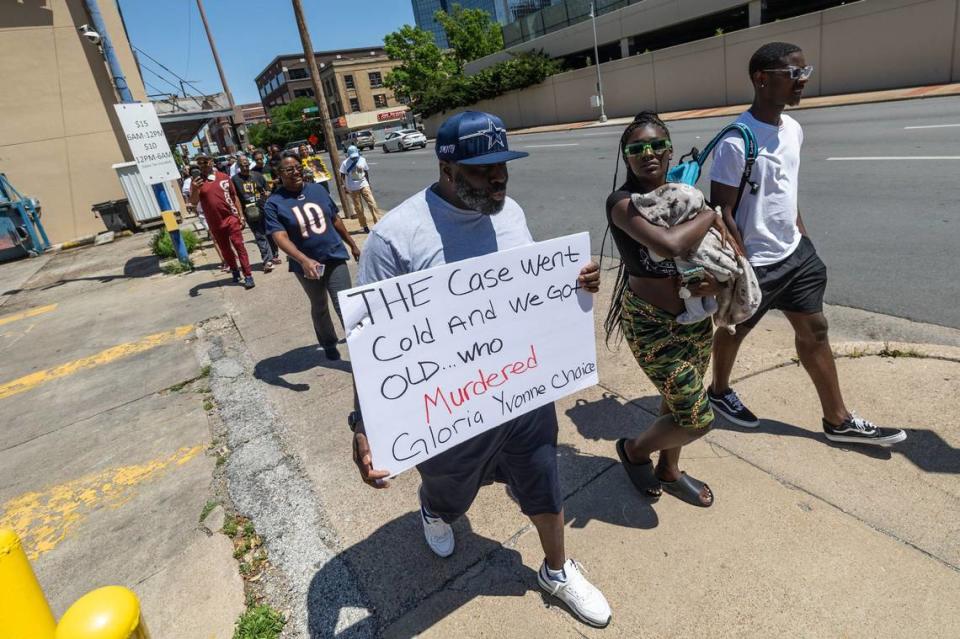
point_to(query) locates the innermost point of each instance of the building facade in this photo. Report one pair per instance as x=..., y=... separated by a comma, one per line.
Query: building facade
x=424, y=10
x=59, y=133
x=563, y=29
x=353, y=87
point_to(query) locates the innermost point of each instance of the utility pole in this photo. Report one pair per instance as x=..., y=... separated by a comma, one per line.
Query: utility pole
x=322, y=105
x=596, y=59
x=237, y=113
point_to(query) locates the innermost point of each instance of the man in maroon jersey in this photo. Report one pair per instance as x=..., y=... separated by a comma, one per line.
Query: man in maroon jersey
x=221, y=206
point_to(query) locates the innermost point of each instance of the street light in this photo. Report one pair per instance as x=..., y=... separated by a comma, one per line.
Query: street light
x=596, y=60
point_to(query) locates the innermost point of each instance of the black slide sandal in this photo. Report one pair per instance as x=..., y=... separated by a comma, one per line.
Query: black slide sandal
x=641, y=475
x=688, y=489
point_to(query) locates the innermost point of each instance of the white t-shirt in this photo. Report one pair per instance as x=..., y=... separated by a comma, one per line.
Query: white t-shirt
x=357, y=177
x=768, y=220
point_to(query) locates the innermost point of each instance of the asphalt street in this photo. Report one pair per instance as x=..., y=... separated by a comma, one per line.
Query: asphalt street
x=888, y=229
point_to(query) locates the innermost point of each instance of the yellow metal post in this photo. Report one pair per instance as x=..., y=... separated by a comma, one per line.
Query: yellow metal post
x=24, y=612
x=112, y=612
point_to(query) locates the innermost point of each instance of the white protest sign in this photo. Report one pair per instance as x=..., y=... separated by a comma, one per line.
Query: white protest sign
x=444, y=354
x=147, y=142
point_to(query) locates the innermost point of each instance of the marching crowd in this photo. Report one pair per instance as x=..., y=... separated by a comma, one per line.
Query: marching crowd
x=753, y=208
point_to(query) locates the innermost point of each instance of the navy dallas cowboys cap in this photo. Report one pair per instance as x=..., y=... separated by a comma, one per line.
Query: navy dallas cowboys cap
x=474, y=137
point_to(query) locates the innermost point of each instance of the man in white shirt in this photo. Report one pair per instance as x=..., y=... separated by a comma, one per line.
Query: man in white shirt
x=768, y=226
x=356, y=175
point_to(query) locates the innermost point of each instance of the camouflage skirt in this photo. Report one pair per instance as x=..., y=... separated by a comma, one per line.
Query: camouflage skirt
x=674, y=356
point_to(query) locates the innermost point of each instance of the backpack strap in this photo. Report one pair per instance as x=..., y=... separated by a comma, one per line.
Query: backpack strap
x=750, y=151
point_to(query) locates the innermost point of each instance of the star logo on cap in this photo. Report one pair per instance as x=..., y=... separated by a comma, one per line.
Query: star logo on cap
x=494, y=135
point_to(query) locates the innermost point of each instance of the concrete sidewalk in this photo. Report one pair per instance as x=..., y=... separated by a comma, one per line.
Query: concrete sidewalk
x=104, y=463
x=892, y=95
x=805, y=539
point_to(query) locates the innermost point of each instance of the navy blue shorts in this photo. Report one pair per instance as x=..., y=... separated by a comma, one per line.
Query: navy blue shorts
x=795, y=284
x=521, y=453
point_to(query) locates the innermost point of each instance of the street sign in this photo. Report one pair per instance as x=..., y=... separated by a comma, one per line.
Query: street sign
x=147, y=141
x=391, y=115
x=312, y=110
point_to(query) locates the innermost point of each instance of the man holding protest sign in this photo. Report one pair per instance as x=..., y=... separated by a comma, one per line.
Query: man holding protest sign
x=467, y=214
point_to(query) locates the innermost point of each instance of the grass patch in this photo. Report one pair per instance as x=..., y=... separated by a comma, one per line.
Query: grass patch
x=259, y=622
x=177, y=267
x=205, y=371
x=857, y=353
x=886, y=351
x=162, y=245
x=247, y=547
x=207, y=509
x=221, y=459
x=208, y=405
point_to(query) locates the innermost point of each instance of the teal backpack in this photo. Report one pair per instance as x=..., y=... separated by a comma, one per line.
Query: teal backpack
x=687, y=171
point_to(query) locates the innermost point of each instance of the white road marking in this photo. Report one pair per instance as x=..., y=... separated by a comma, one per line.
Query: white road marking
x=931, y=126
x=915, y=157
x=544, y=146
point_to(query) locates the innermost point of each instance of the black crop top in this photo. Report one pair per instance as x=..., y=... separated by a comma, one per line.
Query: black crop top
x=635, y=256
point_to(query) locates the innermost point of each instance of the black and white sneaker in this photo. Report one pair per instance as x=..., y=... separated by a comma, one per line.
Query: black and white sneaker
x=732, y=409
x=857, y=430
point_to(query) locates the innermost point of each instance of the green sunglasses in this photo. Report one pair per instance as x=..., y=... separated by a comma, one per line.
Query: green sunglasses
x=655, y=146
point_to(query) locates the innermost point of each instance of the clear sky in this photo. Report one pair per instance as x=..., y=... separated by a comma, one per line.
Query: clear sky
x=248, y=34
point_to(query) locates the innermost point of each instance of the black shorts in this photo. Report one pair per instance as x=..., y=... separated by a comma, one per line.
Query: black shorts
x=795, y=284
x=521, y=453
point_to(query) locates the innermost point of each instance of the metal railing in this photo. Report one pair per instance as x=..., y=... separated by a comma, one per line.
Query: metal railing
x=557, y=16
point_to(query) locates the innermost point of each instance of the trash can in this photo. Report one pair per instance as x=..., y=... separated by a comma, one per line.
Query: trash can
x=115, y=215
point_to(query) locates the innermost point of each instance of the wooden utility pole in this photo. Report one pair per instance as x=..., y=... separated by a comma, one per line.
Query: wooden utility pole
x=238, y=119
x=330, y=140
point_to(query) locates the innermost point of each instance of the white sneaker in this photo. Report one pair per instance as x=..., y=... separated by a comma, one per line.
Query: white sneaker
x=438, y=533
x=582, y=597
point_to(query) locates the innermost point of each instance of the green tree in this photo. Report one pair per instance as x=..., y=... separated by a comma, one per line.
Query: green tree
x=472, y=33
x=432, y=81
x=286, y=125
x=423, y=66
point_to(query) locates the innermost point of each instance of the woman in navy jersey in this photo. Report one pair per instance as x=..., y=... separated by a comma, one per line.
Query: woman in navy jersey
x=303, y=221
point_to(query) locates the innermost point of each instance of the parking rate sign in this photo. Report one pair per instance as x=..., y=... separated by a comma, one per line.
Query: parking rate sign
x=442, y=355
x=147, y=142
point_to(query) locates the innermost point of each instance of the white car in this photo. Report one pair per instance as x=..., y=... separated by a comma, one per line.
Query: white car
x=403, y=140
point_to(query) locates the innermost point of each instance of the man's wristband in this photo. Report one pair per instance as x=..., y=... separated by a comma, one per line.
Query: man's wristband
x=354, y=419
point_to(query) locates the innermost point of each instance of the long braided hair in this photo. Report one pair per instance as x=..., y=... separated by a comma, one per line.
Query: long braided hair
x=611, y=324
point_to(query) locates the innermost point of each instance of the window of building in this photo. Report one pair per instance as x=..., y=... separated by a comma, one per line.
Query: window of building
x=380, y=100
x=298, y=74
x=376, y=80
x=348, y=81
x=354, y=105
x=303, y=93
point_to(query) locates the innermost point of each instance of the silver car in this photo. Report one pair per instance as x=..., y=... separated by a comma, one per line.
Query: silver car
x=403, y=140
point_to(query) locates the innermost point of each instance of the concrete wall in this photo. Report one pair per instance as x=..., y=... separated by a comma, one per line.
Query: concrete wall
x=58, y=132
x=865, y=46
x=629, y=21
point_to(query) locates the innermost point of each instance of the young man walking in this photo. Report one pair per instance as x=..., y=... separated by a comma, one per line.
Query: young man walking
x=769, y=228
x=213, y=190
x=467, y=214
x=356, y=175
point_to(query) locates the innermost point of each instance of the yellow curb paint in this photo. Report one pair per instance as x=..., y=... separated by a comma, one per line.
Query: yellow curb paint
x=33, y=312
x=46, y=518
x=33, y=380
